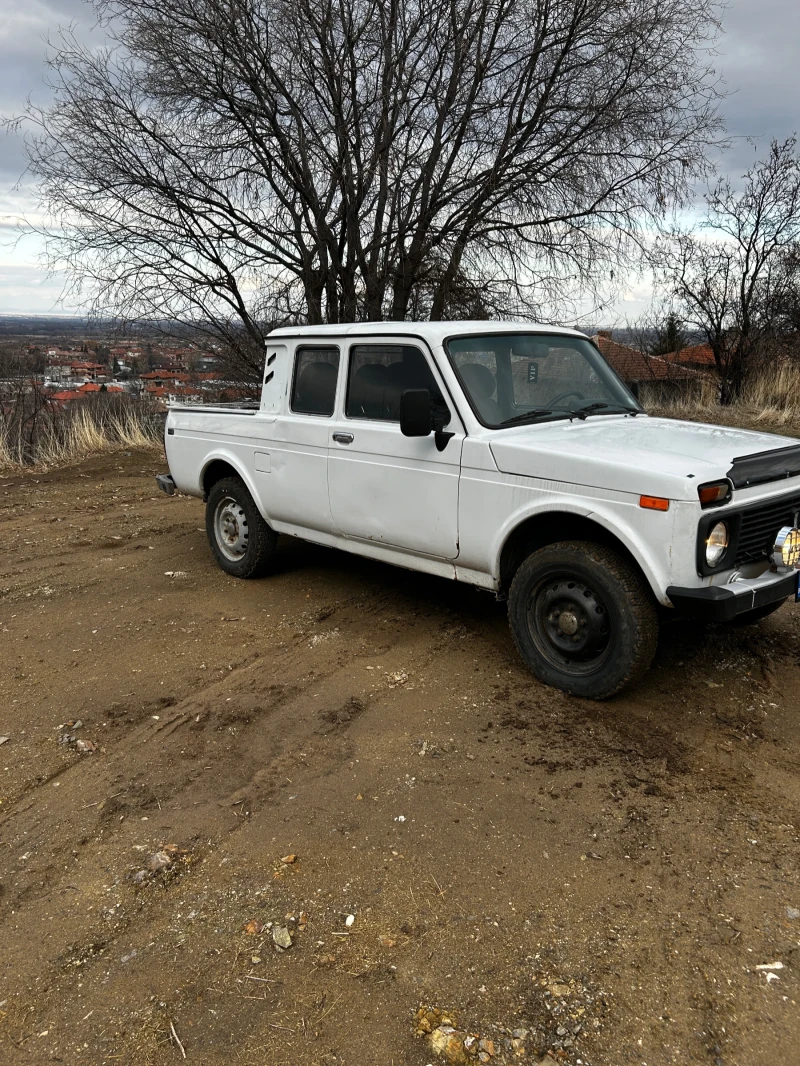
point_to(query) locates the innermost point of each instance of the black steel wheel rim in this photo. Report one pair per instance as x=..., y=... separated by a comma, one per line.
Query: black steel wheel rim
x=569, y=623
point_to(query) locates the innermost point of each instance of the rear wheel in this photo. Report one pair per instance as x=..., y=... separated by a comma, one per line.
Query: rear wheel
x=583, y=618
x=241, y=541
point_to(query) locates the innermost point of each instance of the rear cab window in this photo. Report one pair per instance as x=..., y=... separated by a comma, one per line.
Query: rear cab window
x=316, y=371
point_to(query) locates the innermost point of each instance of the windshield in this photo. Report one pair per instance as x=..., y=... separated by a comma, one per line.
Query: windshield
x=512, y=378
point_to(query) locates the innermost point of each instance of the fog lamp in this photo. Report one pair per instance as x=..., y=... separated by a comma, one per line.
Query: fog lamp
x=716, y=543
x=786, y=550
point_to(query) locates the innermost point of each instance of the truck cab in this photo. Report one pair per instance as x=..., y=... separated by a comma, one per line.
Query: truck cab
x=508, y=456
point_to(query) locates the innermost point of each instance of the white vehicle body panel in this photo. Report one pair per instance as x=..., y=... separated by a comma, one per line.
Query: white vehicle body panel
x=451, y=512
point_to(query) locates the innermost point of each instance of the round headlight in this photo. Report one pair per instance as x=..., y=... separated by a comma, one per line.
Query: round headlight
x=716, y=543
x=786, y=551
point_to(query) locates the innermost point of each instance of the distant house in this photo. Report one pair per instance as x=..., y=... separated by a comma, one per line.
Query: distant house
x=637, y=368
x=91, y=387
x=64, y=367
x=88, y=371
x=165, y=376
x=696, y=356
x=206, y=363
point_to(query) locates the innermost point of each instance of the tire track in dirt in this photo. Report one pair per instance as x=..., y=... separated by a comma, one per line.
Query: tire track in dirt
x=543, y=838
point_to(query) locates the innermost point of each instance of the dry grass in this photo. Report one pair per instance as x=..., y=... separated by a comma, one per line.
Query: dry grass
x=770, y=401
x=63, y=437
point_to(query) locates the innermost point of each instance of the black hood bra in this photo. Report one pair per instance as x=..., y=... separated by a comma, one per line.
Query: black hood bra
x=761, y=467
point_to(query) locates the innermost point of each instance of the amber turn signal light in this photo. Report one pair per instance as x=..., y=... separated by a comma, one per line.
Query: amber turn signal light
x=714, y=492
x=654, y=503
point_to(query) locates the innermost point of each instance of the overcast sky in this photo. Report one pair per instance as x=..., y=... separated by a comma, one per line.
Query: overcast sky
x=759, y=60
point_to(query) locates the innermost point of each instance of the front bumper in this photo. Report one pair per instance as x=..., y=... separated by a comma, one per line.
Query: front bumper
x=723, y=603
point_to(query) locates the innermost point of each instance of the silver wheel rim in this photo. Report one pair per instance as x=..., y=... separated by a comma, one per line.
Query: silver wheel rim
x=230, y=529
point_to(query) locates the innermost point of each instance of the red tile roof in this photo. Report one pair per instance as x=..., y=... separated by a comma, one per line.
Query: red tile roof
x=633, y=365
x=699, y=354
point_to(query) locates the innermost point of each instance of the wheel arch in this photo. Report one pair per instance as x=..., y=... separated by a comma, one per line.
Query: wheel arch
x=220, y=466
x=549, y=527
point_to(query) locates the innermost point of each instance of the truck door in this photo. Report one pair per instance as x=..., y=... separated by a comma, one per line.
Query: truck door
x=292, y=465
x=386, y=488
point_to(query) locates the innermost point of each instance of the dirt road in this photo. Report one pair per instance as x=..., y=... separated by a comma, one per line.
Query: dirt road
x=352, y=758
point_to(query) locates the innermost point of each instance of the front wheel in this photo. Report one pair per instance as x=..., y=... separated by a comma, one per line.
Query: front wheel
x=242, y=542
x=583, y=618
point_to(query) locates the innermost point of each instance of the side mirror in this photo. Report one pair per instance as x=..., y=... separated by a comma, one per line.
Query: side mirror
x=415, y=413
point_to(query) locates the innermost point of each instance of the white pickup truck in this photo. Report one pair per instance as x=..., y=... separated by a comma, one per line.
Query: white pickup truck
x=507, y=456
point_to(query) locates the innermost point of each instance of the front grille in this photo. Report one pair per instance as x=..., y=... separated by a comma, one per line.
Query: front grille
x=760, y=526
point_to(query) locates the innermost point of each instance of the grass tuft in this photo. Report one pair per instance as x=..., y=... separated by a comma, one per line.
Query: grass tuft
x=43, y=435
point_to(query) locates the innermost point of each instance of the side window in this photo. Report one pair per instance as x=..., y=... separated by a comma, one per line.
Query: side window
x=380, y=373
x=314, y=384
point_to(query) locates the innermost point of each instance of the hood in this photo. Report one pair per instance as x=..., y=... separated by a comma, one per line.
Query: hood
x=651, y=456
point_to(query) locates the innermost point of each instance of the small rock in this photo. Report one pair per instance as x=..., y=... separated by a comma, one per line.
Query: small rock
x=287, y=860
x=86, y=747
x=486, y=1046
x=791, y=912
x=449, y=1044
x=140, y=876
x=349, y=920
x=4, y=740
x=281, y=937
x=253, y=927
x=159, y=861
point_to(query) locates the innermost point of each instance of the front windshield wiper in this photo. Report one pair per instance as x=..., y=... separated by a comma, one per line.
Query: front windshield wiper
x=526, y=416
x=566, y=412
x=591, y=408
x=612, y=407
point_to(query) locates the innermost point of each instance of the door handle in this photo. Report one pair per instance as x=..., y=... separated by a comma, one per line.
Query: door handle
x=343, y=438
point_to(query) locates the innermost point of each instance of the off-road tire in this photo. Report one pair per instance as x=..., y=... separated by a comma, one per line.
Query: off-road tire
x=253, y=544
x=610, y=599
x=750, y=618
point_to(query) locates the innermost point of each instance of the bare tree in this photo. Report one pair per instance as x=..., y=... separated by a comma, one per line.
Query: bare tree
x=736, y=277
x=249, y=162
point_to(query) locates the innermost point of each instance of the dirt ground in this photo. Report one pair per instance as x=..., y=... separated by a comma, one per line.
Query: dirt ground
x=352, y=758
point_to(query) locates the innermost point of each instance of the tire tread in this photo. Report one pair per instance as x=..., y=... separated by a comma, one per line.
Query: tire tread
x=632, y=586
x=262, y=540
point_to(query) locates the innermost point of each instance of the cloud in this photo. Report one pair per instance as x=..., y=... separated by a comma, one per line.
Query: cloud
x=756, y=57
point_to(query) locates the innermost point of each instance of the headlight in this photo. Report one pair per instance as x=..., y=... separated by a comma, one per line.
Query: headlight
x=786, y=550
x=717, y=543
